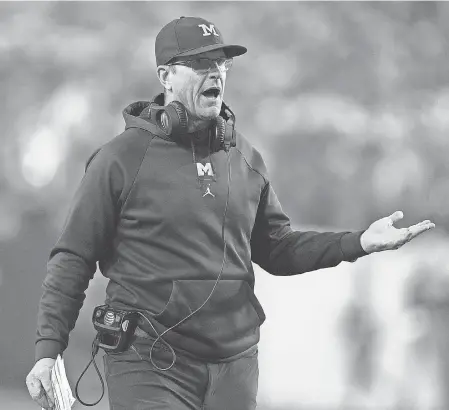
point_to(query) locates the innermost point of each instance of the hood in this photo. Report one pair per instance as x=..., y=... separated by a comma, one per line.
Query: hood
x=136, y=115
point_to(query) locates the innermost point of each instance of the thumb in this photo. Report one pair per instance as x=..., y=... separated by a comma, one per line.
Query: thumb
x=396, y=216
x=34, y=387
x=46, y=384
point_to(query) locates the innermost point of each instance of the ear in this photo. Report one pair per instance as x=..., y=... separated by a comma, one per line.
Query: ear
x=164, y=73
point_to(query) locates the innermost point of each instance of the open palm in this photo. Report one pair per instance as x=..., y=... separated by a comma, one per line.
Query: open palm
x=382, y=235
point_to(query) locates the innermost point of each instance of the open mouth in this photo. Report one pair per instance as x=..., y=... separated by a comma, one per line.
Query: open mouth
x=212, y=92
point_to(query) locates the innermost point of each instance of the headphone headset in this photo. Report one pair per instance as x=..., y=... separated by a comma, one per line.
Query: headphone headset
x=173, y=119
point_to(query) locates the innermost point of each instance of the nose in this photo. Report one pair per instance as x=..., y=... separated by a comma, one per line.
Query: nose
x=215, y=72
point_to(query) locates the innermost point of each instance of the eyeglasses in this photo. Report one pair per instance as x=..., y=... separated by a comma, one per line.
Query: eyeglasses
x=204, y=65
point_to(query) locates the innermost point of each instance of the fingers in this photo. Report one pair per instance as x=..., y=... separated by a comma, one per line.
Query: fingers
x=37, y=392
x=39, y=384
x=427, y=223
x=405, y=235
x=415, y=229
x=419, y=228
x=46, y=383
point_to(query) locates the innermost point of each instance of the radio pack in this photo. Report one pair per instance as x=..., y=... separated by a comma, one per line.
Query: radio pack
x=115, y=327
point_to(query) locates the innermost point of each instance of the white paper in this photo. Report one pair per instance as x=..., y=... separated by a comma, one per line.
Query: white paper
x=63, y=394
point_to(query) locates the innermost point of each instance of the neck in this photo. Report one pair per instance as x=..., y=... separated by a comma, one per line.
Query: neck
x=197, y=124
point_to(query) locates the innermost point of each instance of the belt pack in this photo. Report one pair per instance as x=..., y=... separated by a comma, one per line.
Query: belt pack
x=115, y=327
x=114, y=330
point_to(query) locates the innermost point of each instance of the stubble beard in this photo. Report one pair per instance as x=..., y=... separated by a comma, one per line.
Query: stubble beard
x=203, y=118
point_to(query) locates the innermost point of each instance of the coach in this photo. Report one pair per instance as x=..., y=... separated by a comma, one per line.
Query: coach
x=175, y=210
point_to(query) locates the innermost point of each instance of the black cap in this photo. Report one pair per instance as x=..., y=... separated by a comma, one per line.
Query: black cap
x=188, y=36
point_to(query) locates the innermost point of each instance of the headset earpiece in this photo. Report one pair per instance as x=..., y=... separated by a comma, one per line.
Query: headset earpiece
x=230, y=137
x=220, y=132
x=172, y=119
x=230, y=134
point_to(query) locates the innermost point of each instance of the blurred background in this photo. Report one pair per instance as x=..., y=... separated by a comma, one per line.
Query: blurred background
x=349, y=104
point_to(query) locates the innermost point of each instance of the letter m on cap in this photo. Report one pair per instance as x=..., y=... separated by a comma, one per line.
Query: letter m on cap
x=207, y=31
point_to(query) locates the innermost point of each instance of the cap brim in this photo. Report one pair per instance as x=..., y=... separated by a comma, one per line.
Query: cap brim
x=230, y=50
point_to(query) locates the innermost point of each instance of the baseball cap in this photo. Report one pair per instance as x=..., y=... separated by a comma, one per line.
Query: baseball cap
x=188, y=36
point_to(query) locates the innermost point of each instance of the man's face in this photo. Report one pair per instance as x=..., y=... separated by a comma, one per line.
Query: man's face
x=190, y=88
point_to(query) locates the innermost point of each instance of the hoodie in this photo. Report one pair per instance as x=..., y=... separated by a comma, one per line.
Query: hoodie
x=143, y=213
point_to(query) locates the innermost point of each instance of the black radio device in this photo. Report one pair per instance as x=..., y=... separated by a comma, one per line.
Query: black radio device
x=114, y=327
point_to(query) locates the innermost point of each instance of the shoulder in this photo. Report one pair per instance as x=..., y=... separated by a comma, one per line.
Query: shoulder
x=251, y=156
x=126, y=148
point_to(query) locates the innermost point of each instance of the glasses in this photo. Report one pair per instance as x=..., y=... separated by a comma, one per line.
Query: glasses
x=204, y=65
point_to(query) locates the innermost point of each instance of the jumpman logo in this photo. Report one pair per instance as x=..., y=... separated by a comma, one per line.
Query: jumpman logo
x=208, y=192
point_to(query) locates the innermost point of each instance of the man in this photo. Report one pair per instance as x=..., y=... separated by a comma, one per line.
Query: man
x=174, y=222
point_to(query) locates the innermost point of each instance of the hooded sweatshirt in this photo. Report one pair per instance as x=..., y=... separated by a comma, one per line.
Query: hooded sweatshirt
x=150, y=211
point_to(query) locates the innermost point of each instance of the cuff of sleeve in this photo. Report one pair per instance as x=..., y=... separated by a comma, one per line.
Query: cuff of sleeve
x=351, y=246
x=48, y=348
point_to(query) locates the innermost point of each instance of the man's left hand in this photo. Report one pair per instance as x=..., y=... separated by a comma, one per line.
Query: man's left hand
x=383, y=236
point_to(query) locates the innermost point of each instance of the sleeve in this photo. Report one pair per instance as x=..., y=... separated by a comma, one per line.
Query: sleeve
x=88, y=229
x=282, y=251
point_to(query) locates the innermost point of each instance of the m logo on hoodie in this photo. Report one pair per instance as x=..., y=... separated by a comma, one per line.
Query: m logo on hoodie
x=204, y=169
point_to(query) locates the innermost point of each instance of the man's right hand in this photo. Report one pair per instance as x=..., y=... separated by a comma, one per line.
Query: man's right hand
x=39, y=385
